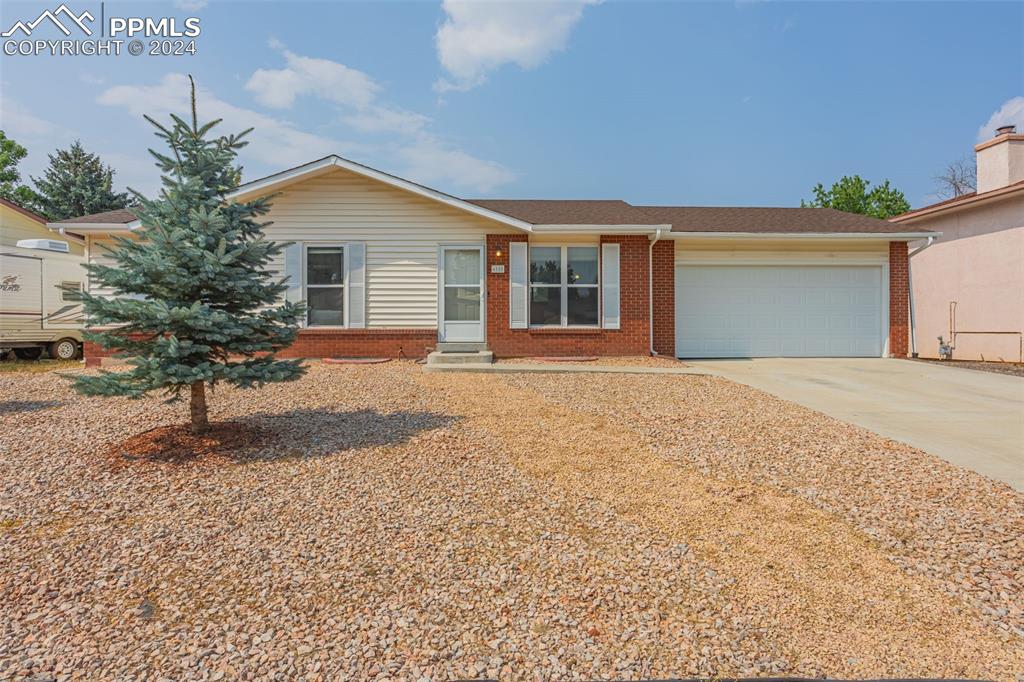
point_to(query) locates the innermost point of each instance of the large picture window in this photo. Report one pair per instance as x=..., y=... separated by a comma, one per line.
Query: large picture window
x=325, y=286
x=564, y=286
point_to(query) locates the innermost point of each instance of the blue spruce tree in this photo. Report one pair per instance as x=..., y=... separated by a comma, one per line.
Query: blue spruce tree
x=195, y=304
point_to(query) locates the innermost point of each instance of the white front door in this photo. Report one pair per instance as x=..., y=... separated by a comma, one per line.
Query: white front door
x=460, y=294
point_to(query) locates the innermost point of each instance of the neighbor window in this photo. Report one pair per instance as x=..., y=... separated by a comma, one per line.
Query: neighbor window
x=71, y=291
x=563, y=286
x=325, y=286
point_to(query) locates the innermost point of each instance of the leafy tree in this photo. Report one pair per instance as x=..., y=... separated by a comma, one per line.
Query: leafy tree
x=855, y=195
x=78, y=183
x=11, y=154
x=196, y=304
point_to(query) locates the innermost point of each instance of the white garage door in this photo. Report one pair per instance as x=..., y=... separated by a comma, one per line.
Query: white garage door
x=733, y=311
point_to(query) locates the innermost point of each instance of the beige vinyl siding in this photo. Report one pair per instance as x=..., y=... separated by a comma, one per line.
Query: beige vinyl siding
x=14, y=226
x=402, y=233
x=749, y=250
x=98, y=254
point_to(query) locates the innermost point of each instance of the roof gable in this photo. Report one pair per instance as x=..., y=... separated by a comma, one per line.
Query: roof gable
x=273, y=183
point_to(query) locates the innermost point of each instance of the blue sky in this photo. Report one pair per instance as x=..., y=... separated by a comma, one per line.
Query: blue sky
x=719, y=103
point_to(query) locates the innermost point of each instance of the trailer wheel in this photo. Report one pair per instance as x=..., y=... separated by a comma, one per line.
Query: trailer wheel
x=65, y=349
x=28, y=353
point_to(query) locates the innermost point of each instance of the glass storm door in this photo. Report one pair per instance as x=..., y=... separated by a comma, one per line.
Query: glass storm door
x=461, y=296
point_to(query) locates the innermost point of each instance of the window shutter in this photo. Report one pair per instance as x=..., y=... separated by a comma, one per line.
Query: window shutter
x=356, y=289
x=518, y=281
x=610, y=285
x=293, y=271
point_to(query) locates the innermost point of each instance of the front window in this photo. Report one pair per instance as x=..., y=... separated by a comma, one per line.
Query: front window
x=325, y=286
x=563, y=286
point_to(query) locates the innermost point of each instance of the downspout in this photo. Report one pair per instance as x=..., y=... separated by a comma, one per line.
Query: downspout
x=650, y=288
x=910, y=292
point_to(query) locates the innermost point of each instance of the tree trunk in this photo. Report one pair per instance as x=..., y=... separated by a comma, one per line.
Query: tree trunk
x=197, y=409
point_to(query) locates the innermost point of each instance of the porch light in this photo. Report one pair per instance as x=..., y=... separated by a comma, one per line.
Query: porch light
x=497, y=254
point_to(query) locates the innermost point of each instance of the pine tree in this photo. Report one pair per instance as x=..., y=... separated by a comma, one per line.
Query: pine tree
x=78, y=183
x=196, y=304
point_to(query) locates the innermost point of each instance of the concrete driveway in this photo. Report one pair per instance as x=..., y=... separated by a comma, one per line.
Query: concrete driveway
x=970, y=418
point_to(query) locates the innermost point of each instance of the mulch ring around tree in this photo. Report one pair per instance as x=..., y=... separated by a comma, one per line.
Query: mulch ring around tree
x=176, y=444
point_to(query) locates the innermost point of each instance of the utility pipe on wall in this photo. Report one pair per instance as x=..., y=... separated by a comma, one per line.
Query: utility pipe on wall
x=910, y=293
x=650, y=288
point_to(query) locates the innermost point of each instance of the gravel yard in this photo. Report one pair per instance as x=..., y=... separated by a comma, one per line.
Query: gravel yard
x=392, y=524
x=1012, y=368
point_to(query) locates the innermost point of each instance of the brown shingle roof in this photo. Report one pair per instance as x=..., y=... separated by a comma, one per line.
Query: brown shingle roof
x=567, y=211
x=616, y=212
x=121, y=215
x=687, y=218
x=766, y=220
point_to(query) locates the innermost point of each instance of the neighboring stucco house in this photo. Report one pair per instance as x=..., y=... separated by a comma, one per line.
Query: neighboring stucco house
x=389, y=267
x=969, y=284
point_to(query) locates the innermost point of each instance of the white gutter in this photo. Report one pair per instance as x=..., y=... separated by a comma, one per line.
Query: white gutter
x=95, y=227
x=650, y=289
x=882, y=236
x=910, y=295
x=72, y=237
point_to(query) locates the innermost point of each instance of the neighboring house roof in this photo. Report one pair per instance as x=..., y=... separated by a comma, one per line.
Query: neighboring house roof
x=715, y=219
x=961, y=202
x=32, y=215
x=117, y=216
x=548, y=215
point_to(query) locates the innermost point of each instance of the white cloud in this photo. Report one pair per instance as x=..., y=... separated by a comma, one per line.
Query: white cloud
x=403, y=139
x=276, y=143
x=382, y=119
x=18, y=121
x=1010, y=113
x=478, y=37
x=428, y=161
x=328, y=80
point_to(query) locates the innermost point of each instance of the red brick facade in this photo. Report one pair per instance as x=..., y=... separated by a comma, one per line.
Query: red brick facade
x=664, y=292
x=364, y=343
x=336, y=343
x=632, y=337
x=899, y=300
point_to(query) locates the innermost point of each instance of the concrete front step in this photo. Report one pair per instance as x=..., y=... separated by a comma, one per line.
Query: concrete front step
x=461, y=346
x=483, y=357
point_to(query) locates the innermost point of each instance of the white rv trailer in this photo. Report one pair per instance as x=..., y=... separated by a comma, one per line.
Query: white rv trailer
x=41, y=287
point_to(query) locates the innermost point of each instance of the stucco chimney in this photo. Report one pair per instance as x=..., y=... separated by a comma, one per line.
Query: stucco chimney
x=1000, y=160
